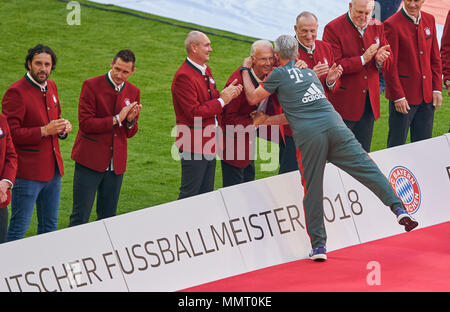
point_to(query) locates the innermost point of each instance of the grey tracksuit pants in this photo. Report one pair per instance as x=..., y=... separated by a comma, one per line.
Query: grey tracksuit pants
x=339, y=146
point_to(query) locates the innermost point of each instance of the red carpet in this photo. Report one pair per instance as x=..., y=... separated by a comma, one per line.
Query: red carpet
x=414, y=261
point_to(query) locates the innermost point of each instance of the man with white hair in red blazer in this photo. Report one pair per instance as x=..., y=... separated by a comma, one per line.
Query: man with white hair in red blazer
x=359, y=45
x=197, y=103
x=414, y=85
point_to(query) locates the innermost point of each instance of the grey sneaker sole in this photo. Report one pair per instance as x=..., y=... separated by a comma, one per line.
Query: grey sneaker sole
x=319, y=257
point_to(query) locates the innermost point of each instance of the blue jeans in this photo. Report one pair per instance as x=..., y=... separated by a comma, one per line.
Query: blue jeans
x=27, y=193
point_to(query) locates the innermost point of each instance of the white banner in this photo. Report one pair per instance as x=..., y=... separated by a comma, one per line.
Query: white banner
x=73, y=259
x=228, y=232
x=176, y=245
x=270, y=218
x=418, y=173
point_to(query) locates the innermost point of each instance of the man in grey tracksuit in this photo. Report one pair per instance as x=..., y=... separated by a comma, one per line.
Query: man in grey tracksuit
x=320, y=135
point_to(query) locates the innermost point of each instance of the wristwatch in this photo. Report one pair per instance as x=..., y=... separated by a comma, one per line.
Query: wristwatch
x=447, y=83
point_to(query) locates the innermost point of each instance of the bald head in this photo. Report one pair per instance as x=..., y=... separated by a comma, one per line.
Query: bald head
x=361, y=12
x=198, y=47
x=305, y=15
x=363, y=2
x=193, y=37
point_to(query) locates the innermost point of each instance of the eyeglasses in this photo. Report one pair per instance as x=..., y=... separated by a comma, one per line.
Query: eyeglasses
x=264, y=59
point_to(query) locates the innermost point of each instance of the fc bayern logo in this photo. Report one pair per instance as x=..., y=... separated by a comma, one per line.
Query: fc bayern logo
x=407, y=188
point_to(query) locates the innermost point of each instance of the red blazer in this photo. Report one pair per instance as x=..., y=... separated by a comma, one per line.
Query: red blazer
x=348, y=45
x=445, y=49
x=322, y=53
x=97, y=139
x=27, y=109
x=236, y=146
x=417, y=68
x=8, y=156
x=195, y=95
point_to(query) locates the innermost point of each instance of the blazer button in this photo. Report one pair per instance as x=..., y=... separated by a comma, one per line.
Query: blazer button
x=421, y=52
x=424, y=77
x=364, y=91
x=365, y=77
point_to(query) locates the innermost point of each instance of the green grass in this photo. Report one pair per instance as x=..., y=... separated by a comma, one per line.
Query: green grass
x=86, y=51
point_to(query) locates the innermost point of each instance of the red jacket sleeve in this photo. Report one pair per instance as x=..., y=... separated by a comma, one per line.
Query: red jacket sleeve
x=445, y=49
x=10, y=161
x=13, y=106
x=436, y=66
x=391, y=76
x=187, y=98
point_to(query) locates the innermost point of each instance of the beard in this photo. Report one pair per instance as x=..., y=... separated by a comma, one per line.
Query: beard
x=40, y=76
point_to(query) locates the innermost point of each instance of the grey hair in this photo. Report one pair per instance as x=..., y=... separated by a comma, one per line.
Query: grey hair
x=287, y=47
x=306, y=14
x=192, y=38
x=259, y=43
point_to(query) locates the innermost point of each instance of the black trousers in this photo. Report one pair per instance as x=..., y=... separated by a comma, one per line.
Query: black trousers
x=86, y=184
x=3, y=224
x=363, y=128
x=232, y=175
x=197, y=174
x=287, y=155
x=419, y=119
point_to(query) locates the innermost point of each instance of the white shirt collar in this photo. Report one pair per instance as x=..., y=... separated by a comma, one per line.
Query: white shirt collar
x=360, y=29
x=116, y=87
x=254, y=75
x=309, y=50
x=42, y=86
x=415, y=20
x=198, y=66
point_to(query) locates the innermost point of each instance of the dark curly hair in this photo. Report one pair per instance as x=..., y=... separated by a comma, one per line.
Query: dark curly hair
x=40, y=48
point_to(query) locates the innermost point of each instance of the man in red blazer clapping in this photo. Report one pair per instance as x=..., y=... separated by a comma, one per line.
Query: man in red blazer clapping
x=33, y=111
x=197, y=103
x=414, y=85
x=359, y=45
x=108, y=111
x=318, y=55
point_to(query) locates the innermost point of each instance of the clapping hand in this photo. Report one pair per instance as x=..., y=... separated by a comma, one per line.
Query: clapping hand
x=383, y=54
x=231, y=92
x=334, y=73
